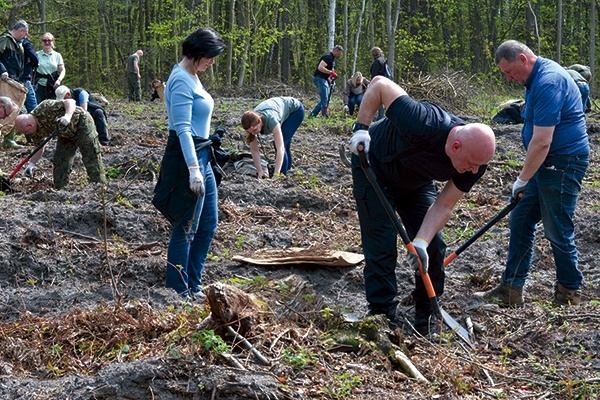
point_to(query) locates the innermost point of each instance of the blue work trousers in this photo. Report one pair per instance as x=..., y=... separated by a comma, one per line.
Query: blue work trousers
x=550, y=196
x=192, y=236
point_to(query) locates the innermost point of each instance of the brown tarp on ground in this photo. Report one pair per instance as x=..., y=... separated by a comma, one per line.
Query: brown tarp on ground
x=296, y=255
x=17, y=93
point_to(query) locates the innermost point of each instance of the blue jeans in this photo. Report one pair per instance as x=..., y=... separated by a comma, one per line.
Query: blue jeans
x=30, y=100
x=550, y=196
x=354, y=101
x=584, y=89
x=191, y=238
x=323, y=89
x=288, y=129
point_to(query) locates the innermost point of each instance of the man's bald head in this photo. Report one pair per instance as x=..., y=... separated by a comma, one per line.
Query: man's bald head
x=480, y=137
x=26, y=124
x=470, y=146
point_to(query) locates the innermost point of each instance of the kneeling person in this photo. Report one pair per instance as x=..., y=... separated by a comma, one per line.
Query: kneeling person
x=79, y=133
x=86, y=101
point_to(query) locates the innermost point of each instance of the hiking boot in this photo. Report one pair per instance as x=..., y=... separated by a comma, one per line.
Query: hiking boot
x=505, y=296
x=9, y=141
x=566, y=297
x=199, y=296
x=423, y=317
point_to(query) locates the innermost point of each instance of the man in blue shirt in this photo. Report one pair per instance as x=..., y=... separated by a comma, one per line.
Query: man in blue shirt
x=555, y=138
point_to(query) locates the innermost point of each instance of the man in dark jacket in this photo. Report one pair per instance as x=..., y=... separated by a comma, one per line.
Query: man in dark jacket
x=11, y=51
x=12, y=62
x=31, y=63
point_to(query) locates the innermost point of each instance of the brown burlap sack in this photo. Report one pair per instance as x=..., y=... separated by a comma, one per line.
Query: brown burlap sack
x=17, y=93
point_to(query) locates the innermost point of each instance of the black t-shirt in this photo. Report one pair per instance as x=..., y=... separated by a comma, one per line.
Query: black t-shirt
x=329, y=60
x=407, y=148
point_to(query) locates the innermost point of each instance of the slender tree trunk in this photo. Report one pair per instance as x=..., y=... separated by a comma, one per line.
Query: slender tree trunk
x=331, y=26
x=391, y=32
x=229, y=59
x=357, y=38
x=42, y=9
x=285, y=43
x=593, y=45
x=345, y=41
x=559, y=30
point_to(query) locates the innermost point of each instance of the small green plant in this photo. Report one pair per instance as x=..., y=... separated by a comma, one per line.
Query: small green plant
x=298, y=359
x=326, y=312
x=55, y=349
x=504, y=356
x=119, y=246
x=285, y=287
x=462, y=386
x=112, y=173
x=343, y=386
x=239, y=241
x=123, y=201
x=55, y=370
x=225, y=254
x=210, y=341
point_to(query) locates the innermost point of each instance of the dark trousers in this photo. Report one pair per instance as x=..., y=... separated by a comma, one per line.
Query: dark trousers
x=99, y=117
x=380, y=237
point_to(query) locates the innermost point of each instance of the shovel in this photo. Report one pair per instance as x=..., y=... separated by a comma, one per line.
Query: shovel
x=448, y=320
x=5, y=182
x=508, y=208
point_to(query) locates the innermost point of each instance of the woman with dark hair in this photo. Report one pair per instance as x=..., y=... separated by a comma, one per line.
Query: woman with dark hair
x=280, y=116
x=186, y=192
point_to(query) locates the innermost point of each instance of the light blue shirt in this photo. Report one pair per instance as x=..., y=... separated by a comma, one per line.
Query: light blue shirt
x=189, y=108
x=84, y=97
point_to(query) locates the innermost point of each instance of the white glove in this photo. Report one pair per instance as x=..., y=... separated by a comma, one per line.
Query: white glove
x=29, y=170
x=422, y=256
x=346, y=109
x=196, y=181
x=360, y=136
x=4, y=76
x=64, y=120
x=518, y=187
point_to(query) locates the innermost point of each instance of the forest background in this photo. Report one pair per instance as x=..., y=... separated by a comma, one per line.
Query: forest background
x=282, y=40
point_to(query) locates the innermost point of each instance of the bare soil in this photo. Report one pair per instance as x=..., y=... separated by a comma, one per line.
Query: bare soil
x=84, y=314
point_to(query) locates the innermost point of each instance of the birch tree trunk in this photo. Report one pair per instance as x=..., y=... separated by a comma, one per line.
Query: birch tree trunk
x=357, y=38
x=331, y=27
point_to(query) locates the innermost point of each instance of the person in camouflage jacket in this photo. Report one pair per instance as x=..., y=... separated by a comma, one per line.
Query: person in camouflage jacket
x=79, y=133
